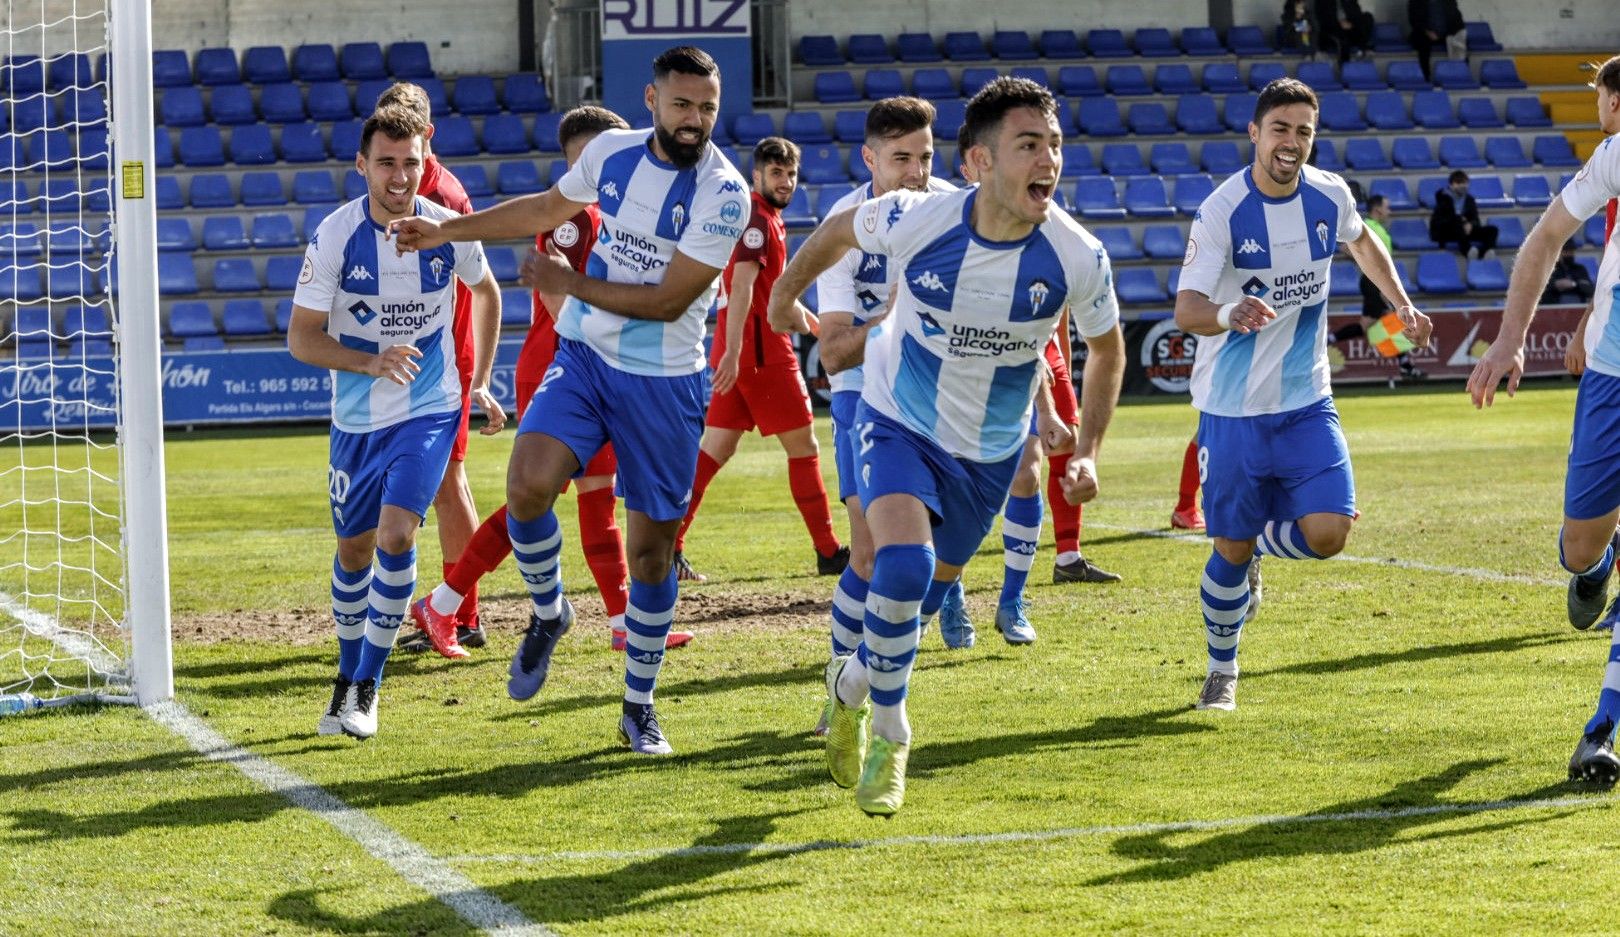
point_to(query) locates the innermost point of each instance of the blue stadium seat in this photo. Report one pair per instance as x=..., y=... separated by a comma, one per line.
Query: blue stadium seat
x=474, y=94
x=71, y=237
x=273, y=230
x=1342, y=112
x=61, y=196
x=1155, y=43
x=1095, y=197
x=1171, y=159
x=1127, y=79
x=1500, y=75
x=1530, y=190
x=1460, y=153
x=1013, y=45
x=1413, y=153
x=1432, y=110
x=869, y=49
x=315, y=62
x=329, y=100
x=1107, y=44
x=203, y=343
x=251, y=145
x=1386, y=110
x=856, y=167
x=1189, y=193
x=503, y=263
x=54, y=148
x=409, y=61
x=1361, y=75
x=218, y=67
x=1488, y=193
x=211, y=190
x=518, y=178
x=976, y=77
x=1325, y=155
x=849, y=126
x=1221, y=157
x=1248, y=40
x=503, y=133
x=170, y=68
x=1196, y=114
x=965, y=47
x=281, y=104
x=881, y=83
x=1506, y=153
x=1077, y=161
x=1061, y=44
x=1527, y=112
x=1149, y=120
x=1453, y=75
x=823, y=197
x=1223, y=78
x=69, y=70
x=1553, y=151
x=360, y=61
x=1134, y=285
x=1118, y=242
x=933, y=84
x=93, y=150
x=232, y=104
x=176, y=275
x=1406, y=75
x=1079, y=81
x=1099, y=117
x=517, y=307
x=162, y=149
x=1366, y=154
x=281, y=273
x=948, y=117
x=1238, y=111
x=313, y=186
x=454, y=136
x=1480, y=38
x=474, y=180
x=245, y=318
x=1035, y=73
x=1122, y=159
x=224, y=233
x=1264, y=73
x=264, y=65
x=816, y=51
x=749, y=129
x=1202, y=41
x=1321, y=77
x=836, y=88
x=1478, y=114
x=366, y=94
x=1145, y=198
x=1396, y=191
x=1594, y=229
x=283, y=315
x=169, y=196
x=822, y=165
x=1175, y=78
x=1510, y=231
x=263, y=188
x=86, y=321
x=179, y=107
x=314, y=215
x=191, y=319
x=201, y=146
x=34, y=330
x=917, y=48
x=22, y=240
x=1164, y=242
x=301, y=143
x=1427, y=186
x=525, y=93
x=1437, y=273
x=798, y=214
x=1487, y=276
x=1390, y=37
x=34, y=113
x=805, y=128
x=547, y=123
x=438, y=98
x=24, y=284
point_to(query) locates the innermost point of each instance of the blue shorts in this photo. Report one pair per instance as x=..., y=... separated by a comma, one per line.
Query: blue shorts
x=1273, y=467
x=844, y=404
x=963, y=497
x=1592, y=483
x=402, y=465
x=654, y=423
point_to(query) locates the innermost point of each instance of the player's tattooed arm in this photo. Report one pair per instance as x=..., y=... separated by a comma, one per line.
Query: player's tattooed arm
x=309, y=342
x=832, y=239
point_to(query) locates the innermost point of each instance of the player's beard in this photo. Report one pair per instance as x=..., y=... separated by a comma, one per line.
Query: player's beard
x=777, y=202
x=683, y=155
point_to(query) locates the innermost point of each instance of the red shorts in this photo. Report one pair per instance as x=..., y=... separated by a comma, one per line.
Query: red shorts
x=458, y=452
x=772, y=398
x=1063, y=399
x=603, y=463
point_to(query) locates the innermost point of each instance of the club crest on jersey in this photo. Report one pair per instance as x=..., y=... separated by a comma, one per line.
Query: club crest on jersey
x=1250, y=246
x=362, y=313
x=1038, y=292
x=437, y=266
x=1256, y=287
x=930, y=325
x=677, y=218
x=1322, y=233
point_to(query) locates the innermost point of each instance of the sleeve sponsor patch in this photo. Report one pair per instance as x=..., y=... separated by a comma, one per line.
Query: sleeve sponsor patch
x=566, y=236
x=307, y=273
x=754, y=239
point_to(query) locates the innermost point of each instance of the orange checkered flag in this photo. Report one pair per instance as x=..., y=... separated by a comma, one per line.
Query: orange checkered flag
x=1387, y=335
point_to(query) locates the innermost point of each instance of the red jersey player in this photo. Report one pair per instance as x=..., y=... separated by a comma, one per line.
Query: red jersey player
x=757, y=380
x=598, y=527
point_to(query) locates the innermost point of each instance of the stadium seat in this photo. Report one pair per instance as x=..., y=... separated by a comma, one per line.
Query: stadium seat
x=33, y=113
x=360, y=61
x=948, y=117
x=1095, y=197
x=232, y=104
x=856, y=167
x=1360, y=75
x=1553, y=151
x=453, y=137
x=1122, y=159
x=1460, y=153
x=933, y=84
x=262, y=188
x=1239, y=110
x=1432, y=110
x=201, y=146
x=409, y=61
x=1325, y=155
x=329, y=100
x=849, y=126
x=283, y=315
x=816, y=51
x=273, y=230
x=1480, y=38
x=1487, y=276
x=1530, y=190
x=176, y=276
x=976, y=77
x=1488, y=193
x=547, y=123
x=1077, y=161
x=438, y=98
x=1506, y=153
x=191, y=319
x=1189, y=193
x=798, y=214
x=1164, y=242
x=1175, y=78
x=1138, y=285
x=836, y=88
x=170, y=68
x=525, y=93
x=503, y=263
x=217, y=66
x=1344, y=280
x=503, y=133
x=749, y=129
x=869, y=49
x=1127, y=80
x=1527, y=112
x=366, y=94
x=474, y=179
x=174, y=234
x=805, y=128
x=1013, y=45
x=1342, y=112
x=1079, y=81
x=1107, y=44
x=1264, y=73
x=1201, y=40
x=162, y=149
x=1099, y=117
x=1035, y=73
x=281, y=273
x=1509, y=231
x=315, y=62
x=1500, y=75
x=917, y=48
x=1437, y=273
x=1145, y=198
x=179, y=107
x=251, y=145
x=1366, y=154
x=1155, y=43
x=224, y=233
x=54, y=148
x=1453, y=75
x=1478, y=114
x=1406, y=75
x=314, y=215
x=1386, y=110
x=1223, y=78
x=24, y=284
x=313, y=186
x=235, y=275
x=823, y=165
x=1061, y=44
x=1221, y=157
x=245, y=318
x=1149, y=120
x=1118, y=242
x=1390, y=37
x=282, y=104
x=518, y=178
x=1196, y=114
x=1594, y=229
x=1321, y=77
x=169, y=196
x=86, y=321
x=22, y=240
x=1248, y=40
x=1396, y=191
x=881, y=83
x=301, y=143
x=1413, y=153
x=1427, y=186
x=1171, y=159
x=473, y=94
x=965, y=47
x=264, y=65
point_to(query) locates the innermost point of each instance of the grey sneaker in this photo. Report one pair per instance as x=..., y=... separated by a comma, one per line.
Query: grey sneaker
x=684, y=571
x=1594, y=760
x=955, y=627
x=638, y=728
x=1587, y=598
x=1013, y=623
x=1082, y=570
x=1220, y=691
x=331, y=722
x=1255, y=589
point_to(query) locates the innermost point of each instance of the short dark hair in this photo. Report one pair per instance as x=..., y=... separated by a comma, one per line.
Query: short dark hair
x=1607, y=75
x=406, y=94
x=587, y=119
x=1457, y=175
x=1373, y=201
x=776, y=150
x=964, y=139
x=987, y=109
x=394, y=121
x=898, y=116
x=1281, y=93
x=688, y=60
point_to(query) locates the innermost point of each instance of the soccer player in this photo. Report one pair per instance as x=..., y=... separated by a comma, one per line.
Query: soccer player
x=382, y=324
x=1587, y=543
x=1186, y=515
x=757, y=380
x=951, y=374
x=598, y=528
x=629, y=364
x=1254, y=286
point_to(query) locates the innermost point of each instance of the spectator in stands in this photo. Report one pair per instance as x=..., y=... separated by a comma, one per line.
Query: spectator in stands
x=1343, y=28
x=1436, y=23
x=1373, y=303
x=1298, y=32
x=1570, y=281
x=1456, y=218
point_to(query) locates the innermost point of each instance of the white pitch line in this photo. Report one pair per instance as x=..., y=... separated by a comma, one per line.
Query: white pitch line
x=1487, y=575
x=1038, y=836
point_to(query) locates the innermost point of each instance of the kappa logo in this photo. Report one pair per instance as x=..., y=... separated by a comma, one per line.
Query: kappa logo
x=894, y=215
x=359, y=272
x=873, y=262
x=538, y=579
x=611, y=189
x=729, y=186
x=362, y=313
x=1025, y=547
x=884, y=664
x=1256, y=287
x=646, y=657
x=1250, y=246
x=350, y=620
x=929, y=280
x=930, y=325
x=1038, y=291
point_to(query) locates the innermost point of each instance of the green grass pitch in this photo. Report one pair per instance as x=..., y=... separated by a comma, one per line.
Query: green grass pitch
x=1384, y=712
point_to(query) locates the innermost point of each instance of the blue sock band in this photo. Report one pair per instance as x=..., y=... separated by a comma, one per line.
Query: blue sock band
x=351, y=599
x=647, y=620
x=537, y=548
x=392, y=582
x=1608, y=706
x=1224, y=595
x=934, y=598
x=901, y=575
x=848, y=609
x=1020, y=533
x=1284, y=539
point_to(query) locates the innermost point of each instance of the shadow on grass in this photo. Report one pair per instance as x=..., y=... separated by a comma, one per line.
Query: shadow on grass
x=1337, y=665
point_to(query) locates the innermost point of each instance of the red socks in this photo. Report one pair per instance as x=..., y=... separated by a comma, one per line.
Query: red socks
x=706, y=469
x=599, y=537
x=1065, y=516
x=485, y=551
x=1187, y=495
x=810, y=494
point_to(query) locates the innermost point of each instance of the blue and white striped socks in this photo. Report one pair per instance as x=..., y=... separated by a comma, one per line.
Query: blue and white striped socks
x=848, y=608
x=1608, y=707
x=901, y=575
x=392, y=583
x=1224, y=594
x=351, y=596
x=647, y=621
x=536, y=546
x=1284, y=539
x=1020, y=533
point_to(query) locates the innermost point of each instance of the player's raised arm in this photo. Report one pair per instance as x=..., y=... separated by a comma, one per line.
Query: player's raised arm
x=521, y=217
x=1370, y=255
x=831, y=240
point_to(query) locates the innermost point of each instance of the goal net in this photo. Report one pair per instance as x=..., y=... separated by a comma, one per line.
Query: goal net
x=78, y=345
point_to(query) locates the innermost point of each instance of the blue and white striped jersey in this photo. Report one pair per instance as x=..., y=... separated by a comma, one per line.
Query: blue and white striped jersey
x=859, y=283
x=959, y=358
x=1244, y=243
x=375, y=298
x=650, y=210
x=1587, y=193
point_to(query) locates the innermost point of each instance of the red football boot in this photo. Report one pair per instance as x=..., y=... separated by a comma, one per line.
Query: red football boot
x=440, y=629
